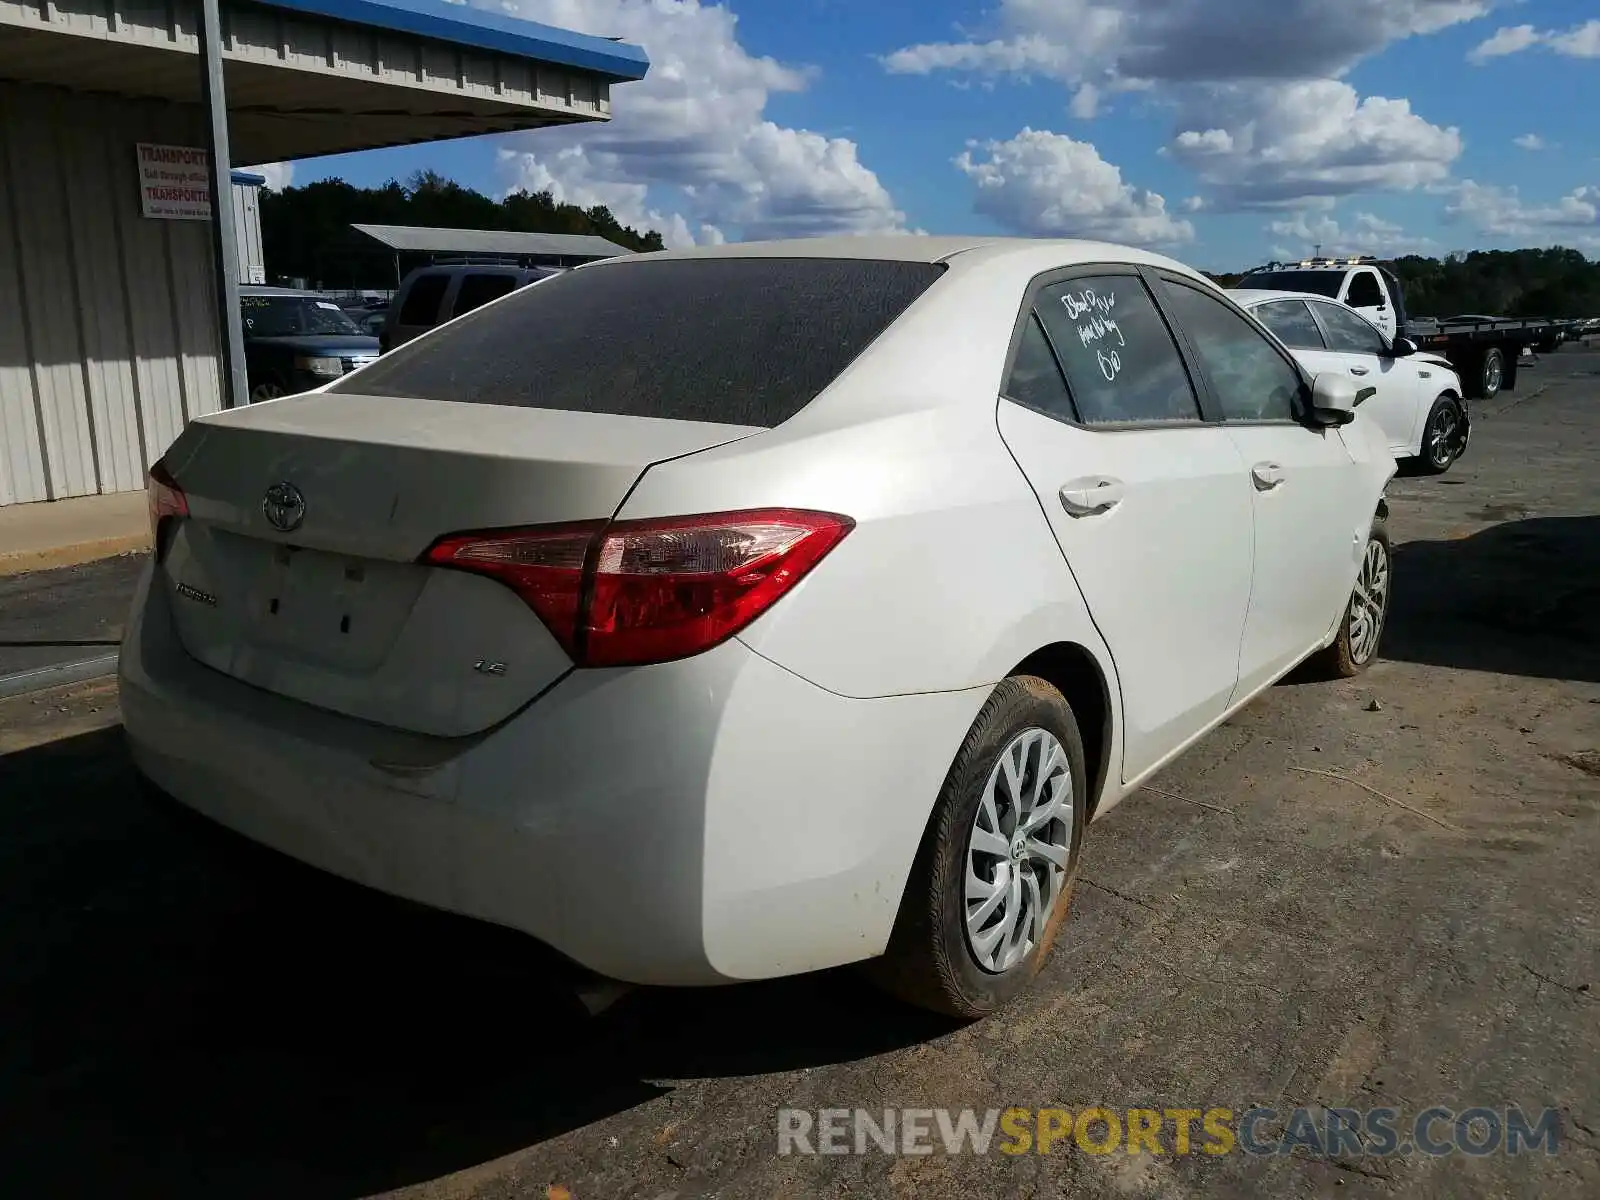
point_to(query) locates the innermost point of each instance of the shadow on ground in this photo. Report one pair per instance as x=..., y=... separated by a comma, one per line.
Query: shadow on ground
x=188, y=1015
x=1519, y=598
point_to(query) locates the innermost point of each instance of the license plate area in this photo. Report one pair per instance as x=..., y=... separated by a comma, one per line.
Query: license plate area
x=331, y=609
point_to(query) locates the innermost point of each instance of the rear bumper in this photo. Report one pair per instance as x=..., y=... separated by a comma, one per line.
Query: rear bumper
x=706, y=821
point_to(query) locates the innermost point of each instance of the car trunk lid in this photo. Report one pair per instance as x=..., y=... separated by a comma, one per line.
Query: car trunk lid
x=330, y=605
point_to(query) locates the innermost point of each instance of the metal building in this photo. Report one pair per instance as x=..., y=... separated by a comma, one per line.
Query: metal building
x=247, y=226
x=109, y=334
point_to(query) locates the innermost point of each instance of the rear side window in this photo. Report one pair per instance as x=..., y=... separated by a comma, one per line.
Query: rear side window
x=1318, y=283
x=421, y=305
x=1121, y=362
x=1036, y=381
x=1291, y=320
x=739, y=341
x=477, y=290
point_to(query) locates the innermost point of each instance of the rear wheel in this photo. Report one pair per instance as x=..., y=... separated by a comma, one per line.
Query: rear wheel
x=994, y=876
x=1444, y=436
x=1354, y=650
x=267, y=389
x=1491, y=373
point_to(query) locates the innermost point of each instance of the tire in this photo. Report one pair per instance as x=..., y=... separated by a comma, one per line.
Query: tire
x=1491, y=373
x=267, y=389
x=1444, y=436
x=932, y=961
x=1349, y=656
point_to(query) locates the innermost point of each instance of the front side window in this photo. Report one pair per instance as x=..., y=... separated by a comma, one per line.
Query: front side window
x=1349, y=332
x=1250, y=378
x=1364, y=291
x=1291, y=320
x=1121, y=362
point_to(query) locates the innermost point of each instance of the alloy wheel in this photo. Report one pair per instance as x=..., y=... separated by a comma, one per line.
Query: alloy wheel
x=1370, y=603
x=1018, y=850
x=1443, y=442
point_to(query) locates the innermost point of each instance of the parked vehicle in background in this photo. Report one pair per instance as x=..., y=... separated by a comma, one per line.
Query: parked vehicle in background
x=1413, y=395
x=729, y=613
x=372, y=321
x=295, y=341
x=1484, y=352
x=432, y=295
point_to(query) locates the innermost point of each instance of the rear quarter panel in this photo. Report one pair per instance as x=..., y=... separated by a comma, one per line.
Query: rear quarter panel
x=951, y=576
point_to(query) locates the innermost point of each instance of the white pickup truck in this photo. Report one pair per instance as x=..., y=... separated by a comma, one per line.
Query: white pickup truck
x=1485, y=351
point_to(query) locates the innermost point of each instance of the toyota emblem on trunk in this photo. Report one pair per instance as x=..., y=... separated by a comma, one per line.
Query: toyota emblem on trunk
x=284, y=507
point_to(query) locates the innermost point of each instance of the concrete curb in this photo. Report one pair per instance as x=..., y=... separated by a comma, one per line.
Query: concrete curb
x=42, y=679
x=20, y=562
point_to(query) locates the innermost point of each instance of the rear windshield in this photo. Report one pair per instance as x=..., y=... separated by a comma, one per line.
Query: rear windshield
x=737, y=341
x=1318, y=283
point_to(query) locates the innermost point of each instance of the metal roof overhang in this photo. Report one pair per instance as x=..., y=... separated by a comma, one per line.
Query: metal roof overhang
x=416, y=239
x=312, y=77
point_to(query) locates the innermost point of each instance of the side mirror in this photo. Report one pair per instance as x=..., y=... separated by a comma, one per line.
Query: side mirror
x=1403, y=347
x=1334, y=398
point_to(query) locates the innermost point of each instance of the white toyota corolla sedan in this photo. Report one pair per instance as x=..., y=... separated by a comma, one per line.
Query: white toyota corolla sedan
x=1415, y=397
x=732, y=613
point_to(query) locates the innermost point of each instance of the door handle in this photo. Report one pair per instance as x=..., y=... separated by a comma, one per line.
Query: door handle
x=1359, y=370
x=1266, y=476
x=1091, y=496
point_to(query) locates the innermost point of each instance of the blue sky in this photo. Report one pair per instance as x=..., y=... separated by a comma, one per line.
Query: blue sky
x=1222, y=131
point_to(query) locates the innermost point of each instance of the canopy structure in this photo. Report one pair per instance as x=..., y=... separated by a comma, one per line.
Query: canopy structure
x=491, y=243
x=312, y=77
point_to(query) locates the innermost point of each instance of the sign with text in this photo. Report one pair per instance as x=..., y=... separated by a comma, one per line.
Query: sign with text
x=174, y=182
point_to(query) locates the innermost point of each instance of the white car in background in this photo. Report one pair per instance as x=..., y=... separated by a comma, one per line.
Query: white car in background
x=729, y=613
x=1415, y=397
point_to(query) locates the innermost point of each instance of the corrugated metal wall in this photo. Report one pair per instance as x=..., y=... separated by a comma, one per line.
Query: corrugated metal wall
x=108, y=338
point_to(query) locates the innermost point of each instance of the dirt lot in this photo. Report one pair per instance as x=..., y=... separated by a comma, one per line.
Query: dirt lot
x=1376, y=893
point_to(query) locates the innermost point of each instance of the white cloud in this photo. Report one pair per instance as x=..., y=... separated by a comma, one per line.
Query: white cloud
x=689, y=149
x=1045, y=184
x=1261, y=113
x=1581, y=41
x=277, y=174
x=1120, y=42
x=1366, y=233
x=1282, y=145
x=1501, y=212
x=1530, y=141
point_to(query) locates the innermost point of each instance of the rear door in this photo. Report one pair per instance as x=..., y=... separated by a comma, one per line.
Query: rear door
x=1306, y=489
x=1150, y=504
x=1362, y=351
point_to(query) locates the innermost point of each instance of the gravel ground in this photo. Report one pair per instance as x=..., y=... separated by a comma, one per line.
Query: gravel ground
x=1374, y=893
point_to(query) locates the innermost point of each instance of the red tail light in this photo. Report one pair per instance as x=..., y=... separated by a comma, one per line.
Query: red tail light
x=165, y=499
x=626, y=593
